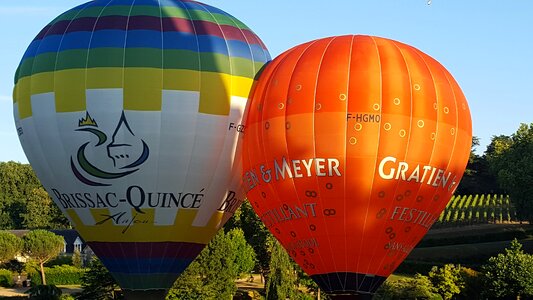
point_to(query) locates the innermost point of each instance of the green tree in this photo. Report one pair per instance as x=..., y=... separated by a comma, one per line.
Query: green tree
x=509, y=274
x=212, y=274
x=511, y=159
x=38, y=210
x=257, y=235
x=42, y=245
x=446, y=280
x=418, y=287
x=282, y=280
x=244, y=253
x=97, y=283
x=77, y=259
x=16, y=181
x=478, y=178
x=10, y=245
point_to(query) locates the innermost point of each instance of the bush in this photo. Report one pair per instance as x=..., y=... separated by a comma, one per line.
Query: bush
x=60, y=260
x=45, y=292
x=418, y=287
x=58, y=275
x=6, y=278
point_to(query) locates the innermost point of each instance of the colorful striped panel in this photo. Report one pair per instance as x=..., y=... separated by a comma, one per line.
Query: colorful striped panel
x=129, y=44
x=144, y=39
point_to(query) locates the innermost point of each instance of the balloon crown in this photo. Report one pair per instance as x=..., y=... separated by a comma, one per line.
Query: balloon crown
x=87, y=121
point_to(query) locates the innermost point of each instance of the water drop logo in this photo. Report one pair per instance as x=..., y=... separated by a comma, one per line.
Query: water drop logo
x=125, y=153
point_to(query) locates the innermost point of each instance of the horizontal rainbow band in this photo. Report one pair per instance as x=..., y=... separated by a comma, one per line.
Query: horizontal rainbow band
x=90, y=41
x=131, y=262
x=131, y=57
x=152, y=23
x=70, y=88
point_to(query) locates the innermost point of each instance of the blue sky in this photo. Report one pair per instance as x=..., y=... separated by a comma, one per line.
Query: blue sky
x=486, y=45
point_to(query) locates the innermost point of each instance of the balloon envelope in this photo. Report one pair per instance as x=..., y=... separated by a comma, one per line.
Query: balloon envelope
x=353, y=146
x=128, y=111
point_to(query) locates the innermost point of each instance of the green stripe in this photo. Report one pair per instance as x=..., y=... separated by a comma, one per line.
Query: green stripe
x=155, y=11
x=138, y=57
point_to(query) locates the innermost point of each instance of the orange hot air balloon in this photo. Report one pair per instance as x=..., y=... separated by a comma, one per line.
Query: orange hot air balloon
x=353, y=147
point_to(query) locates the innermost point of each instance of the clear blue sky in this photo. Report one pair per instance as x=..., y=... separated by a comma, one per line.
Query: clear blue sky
x=486, y=45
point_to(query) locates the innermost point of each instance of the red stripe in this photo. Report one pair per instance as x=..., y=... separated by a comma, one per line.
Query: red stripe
x=150, y=23
x=146, y=249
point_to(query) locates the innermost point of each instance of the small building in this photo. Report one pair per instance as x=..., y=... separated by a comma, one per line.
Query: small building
x=73, y=241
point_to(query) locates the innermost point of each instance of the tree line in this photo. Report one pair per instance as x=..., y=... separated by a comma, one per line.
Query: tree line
x=505, y=167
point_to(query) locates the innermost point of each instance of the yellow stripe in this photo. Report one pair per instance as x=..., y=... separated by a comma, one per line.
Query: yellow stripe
x=143, y=88
x=69, y=86
x=181, y=80
x=104, y=78
x=23, y=97
x=217, y=89
x=42, y=83
x=181, y=231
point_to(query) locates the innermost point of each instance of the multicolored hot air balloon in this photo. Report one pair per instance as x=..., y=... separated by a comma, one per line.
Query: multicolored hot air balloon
x=129, y=112
x=353, y=146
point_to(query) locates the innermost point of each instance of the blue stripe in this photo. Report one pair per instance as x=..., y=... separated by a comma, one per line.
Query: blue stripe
x=146, y=266
x=108, y=39
x=75, y=40
x=145, y=39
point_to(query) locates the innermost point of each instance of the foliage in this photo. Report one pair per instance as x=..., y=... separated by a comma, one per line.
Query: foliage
x=418, y=287
x=10, y=245
x=23, y=201
x=244, y=253
x=511, y=159
x=478, y=178
x=16, y=180
x=282, y=281
x=42, y=245
x=6, y=278
x=45, y=292
x=59, y=275
x=14, y=266
x=37, y=214
x=256, y=234
x=446, y=280
x=472, y=285
x=97, y=283
x=509, y=274
x=62, y=259
x=77, y=260
x=212, y=274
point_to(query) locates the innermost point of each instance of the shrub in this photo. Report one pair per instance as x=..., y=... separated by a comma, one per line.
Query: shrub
x=418, y=287
x=45, y=292
x=60, y=260
x=59, y=275
x=6, y=278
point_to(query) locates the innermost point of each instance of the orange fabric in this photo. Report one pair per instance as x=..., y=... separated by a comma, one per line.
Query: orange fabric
x=353, y=146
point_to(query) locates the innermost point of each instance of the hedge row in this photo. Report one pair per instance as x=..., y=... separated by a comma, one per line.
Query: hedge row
x=58, y=275
x=6, y=278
